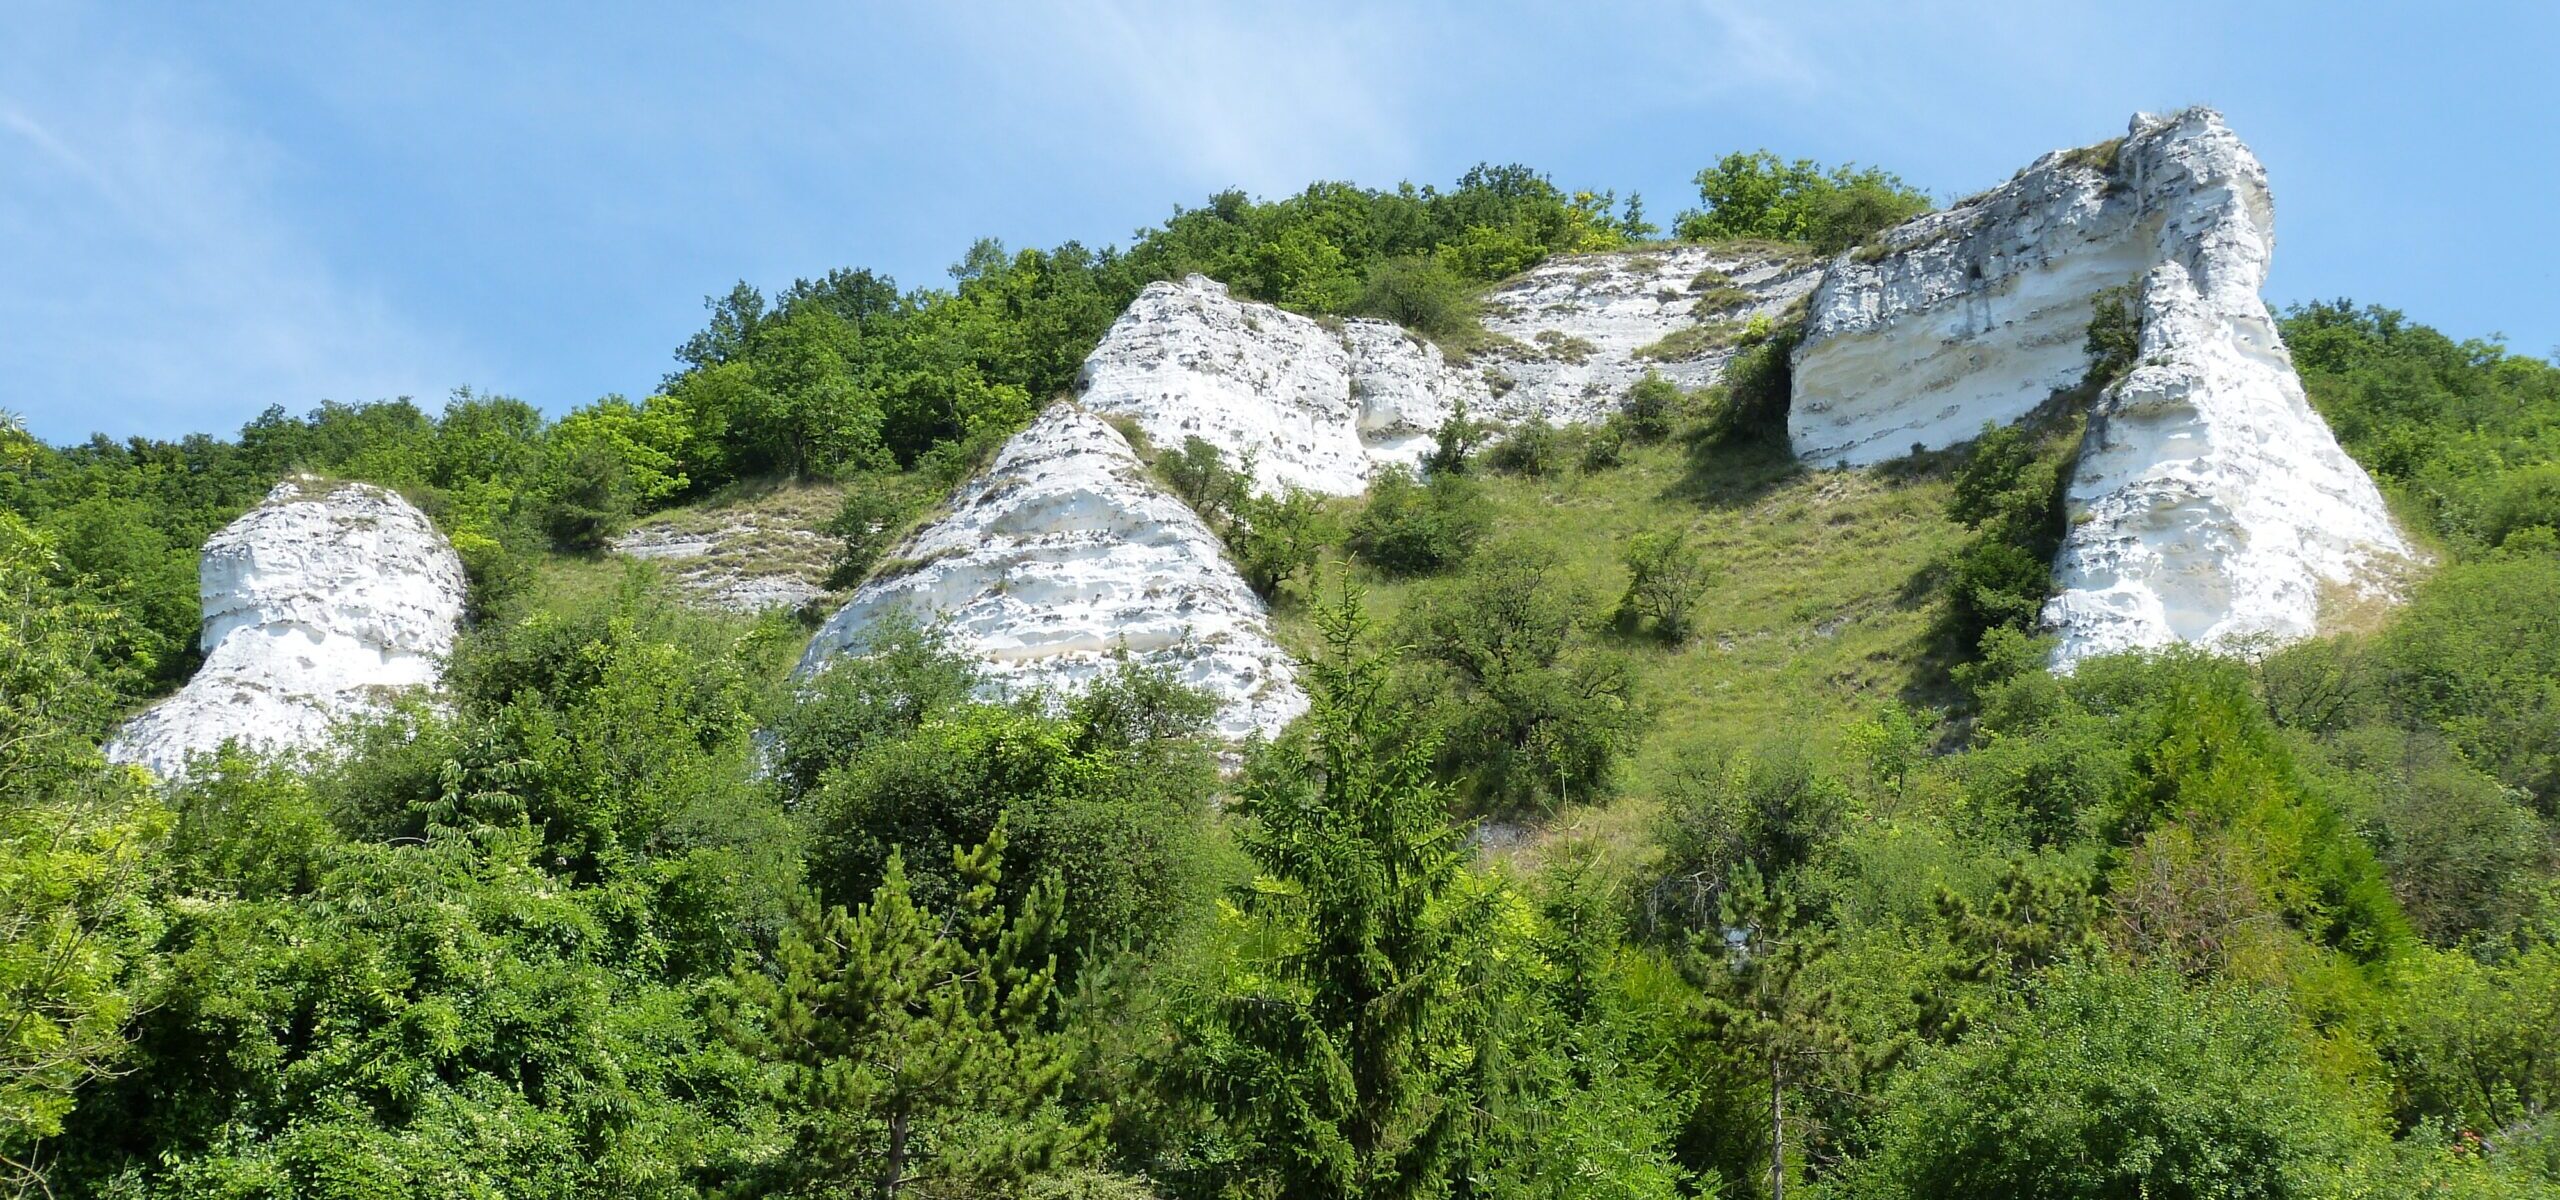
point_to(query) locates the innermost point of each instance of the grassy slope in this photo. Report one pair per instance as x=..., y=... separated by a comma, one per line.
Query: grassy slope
x=1822, y=604
x=761, y=528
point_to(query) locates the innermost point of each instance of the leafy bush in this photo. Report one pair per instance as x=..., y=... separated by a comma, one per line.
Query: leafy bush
x=1758, y=195
x=1533, y=447
x=1423, y=295
x=2009, y=494
x=1605, y=447
x=898, y=676
x=878, y=507
x=1417, y=528
x=1665, y=578
x=1107, y=798
x=1197, y=471
x=1651, y=407
x=2115, y=1084
x=1751, y=402
x=1533, y=715
x=1276, y=538
x=1455, y=442
x=1769, y=807
x=2115, y=334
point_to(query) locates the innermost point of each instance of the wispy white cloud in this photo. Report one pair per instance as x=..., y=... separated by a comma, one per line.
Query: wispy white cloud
x=157, y=282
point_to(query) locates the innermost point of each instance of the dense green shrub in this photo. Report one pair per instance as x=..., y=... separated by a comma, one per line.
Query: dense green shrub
x=2009, y=494
x=1651, y=408
x=2460, y=432
x=1666, y=577
x=1414, y=527
x=1109, y=797
x=1758, y=195
x=1769, y=807
x=1533, y=715
x=2116, y=1084
x=1750, y=403
x=1533, y=447
x=1420, y=294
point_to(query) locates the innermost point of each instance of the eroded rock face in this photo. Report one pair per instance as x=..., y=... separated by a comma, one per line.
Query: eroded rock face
x=1584, y=328
x=1313, y=407
x=1320, y=405
x=321, y=603
x=2208, y=503
x=1062, y=555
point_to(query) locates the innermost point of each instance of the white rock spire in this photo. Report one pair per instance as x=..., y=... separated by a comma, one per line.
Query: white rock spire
x=319, y=604
x=2208, y=502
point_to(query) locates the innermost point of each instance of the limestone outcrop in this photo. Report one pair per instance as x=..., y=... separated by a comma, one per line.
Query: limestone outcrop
x=321, y=603
x=2208, y=502
x=1313, y=407
x=1061, y=558
x=1578, y=330
x=1321, y=404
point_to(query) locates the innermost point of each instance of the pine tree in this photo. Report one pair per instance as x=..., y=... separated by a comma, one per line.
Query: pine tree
x=911, y=1045
x=1750, y=973
x=1344, y=1046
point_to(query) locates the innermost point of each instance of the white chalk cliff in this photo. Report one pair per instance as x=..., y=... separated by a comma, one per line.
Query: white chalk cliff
x=1064, y=556
x=1314, y=407
x=2209, y=502
x=1320, y=405
x=321, y=603
x=1583, y=328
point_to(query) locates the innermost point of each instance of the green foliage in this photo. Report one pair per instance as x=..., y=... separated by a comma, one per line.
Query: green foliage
x=1750, y=403
x=1533, y=714
x=2121, y=1084
x=1651, y=407
x=1275, y=539
x=2115, y=334
x=910, y=1046
x=74, y=844
x=1272, y=538
x=1427, y=295
x=1198, y=472
x=2461, y=433
x=1752, y=971
x=1337, y=1046
x=1666, y=577
x=1109, y=797
x=2474, y=657
x=880, y=689
x=2009, y=494
x=1533, y=448
x=878, y=507
x=439, y=1017
x=1418, y=528
x=1758, y=195
x=1767, y=809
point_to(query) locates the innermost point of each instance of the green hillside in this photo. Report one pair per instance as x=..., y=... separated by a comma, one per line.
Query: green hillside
x=1671, y=820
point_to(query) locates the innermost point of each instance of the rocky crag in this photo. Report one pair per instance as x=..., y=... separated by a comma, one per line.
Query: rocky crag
x=1063, y=559
x=2208, y=503
x=1321, y=404
x=323, y=602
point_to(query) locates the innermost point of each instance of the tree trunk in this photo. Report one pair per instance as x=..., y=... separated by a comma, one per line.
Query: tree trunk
x=893, y=1172
x=1777, y=1130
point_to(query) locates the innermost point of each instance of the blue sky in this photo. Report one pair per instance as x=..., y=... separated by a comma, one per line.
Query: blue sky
x=206, y=209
